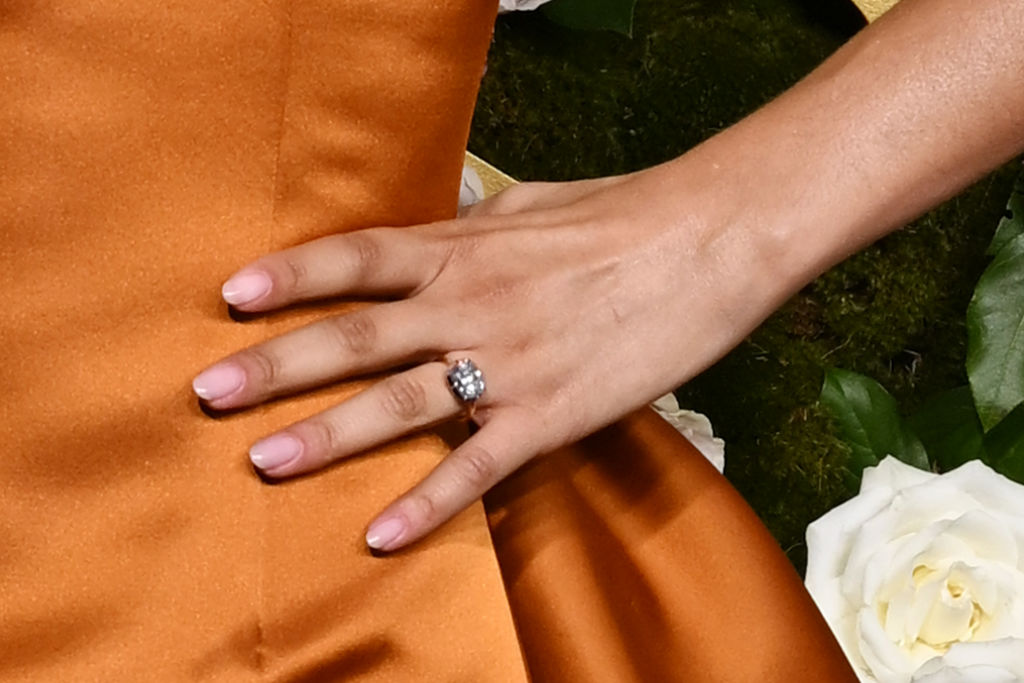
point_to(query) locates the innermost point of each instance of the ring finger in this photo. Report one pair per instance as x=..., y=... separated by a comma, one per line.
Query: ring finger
x=396, y=406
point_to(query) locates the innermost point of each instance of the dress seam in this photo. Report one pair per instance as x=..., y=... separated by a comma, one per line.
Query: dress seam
x=281, y=117
x=262, y=649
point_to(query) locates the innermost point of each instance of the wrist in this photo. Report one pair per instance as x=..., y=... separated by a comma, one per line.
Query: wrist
x=911, y=111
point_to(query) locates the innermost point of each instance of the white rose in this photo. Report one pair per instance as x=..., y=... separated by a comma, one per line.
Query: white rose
x=695, y=427
x=519, y=5
x=921, y=576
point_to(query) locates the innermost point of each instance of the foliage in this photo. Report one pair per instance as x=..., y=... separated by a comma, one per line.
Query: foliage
x=949, y=428
x=995, y=325
x=1012, y=223
x=869, y=420
x=594, y=15
x=983, y=421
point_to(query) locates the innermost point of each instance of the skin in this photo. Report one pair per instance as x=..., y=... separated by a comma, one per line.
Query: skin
x=583, y=301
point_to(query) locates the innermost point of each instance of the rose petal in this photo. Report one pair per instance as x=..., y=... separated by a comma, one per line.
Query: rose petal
x=872, y=559
x=897, y=612
x=949, y=618
x=886, y=662
x=929, y=502
x=894, y=475
x=919, y=514
x=920, y=607
x=695, y=427
x=989, y=662
x=981, y=583
x=829, y=538
x=998, y=492
x=987, y=536
x=1006, y=618
x=979, y=673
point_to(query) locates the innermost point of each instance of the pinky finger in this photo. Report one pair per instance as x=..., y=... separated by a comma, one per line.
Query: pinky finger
x=465, y=475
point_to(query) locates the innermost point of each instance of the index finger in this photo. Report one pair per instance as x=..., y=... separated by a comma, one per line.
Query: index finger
x=376, y=261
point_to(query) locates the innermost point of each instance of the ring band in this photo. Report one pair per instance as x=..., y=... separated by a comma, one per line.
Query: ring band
x=466, y=381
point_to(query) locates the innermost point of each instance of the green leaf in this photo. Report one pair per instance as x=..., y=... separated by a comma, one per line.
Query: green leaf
x=593, y=15
x=1012, y=223
x=995, y=335
x=869, y=421
x=1004, y=445
x=949, y=428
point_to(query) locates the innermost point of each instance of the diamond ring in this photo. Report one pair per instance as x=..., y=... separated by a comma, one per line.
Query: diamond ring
x=466, y=381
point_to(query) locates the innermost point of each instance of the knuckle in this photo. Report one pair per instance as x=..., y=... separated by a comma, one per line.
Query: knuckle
x=478, y=467
x=366, y=250
x=267, y=367
x=502, y=290
x=462, y=248
x=438, y=251
x=322, y=436
x=355, y=332
x=521, y=345
x=404, y=399
x=293, y=276
x=425, y=510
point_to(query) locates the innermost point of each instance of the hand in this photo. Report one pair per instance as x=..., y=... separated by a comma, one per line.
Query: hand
x=583, y=301
x=579, y=301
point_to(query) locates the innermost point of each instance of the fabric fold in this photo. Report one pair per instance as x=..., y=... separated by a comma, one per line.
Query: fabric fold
x=628, y=557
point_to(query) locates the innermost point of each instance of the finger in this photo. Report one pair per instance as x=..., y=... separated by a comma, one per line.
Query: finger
x=465, y=475
x=377, y=261
x=391, y=408
x=367, y=340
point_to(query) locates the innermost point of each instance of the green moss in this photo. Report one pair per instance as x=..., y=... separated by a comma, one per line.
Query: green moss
x=561, y=105
x=558, y=104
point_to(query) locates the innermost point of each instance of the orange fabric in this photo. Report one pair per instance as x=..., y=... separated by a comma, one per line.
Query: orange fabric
x=629, y=558
x=147, y=150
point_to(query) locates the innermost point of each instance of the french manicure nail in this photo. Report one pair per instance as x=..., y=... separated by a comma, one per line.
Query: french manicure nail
x=218, y=381
x=384, y=532
x=275, y=451
x=245, y=287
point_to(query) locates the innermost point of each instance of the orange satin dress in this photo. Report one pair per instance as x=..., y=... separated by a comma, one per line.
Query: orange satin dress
x=149, y=149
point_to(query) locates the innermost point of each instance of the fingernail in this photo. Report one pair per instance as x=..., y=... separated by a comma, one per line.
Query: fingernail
x=218, y=381
x=384, y=532
x=245, y=287
x=275, y=451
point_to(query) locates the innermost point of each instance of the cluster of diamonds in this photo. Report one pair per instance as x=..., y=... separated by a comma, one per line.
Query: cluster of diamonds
x=466, y=380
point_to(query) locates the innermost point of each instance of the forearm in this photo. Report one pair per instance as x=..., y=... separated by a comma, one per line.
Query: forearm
x=909, y=112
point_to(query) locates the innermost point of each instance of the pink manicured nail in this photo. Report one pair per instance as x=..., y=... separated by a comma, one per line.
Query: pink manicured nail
x=245, y=287
x=384, y=532
x=275, y=451
x=218, y=381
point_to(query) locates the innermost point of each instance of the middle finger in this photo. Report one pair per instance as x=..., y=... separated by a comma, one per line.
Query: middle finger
x=371, y=339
